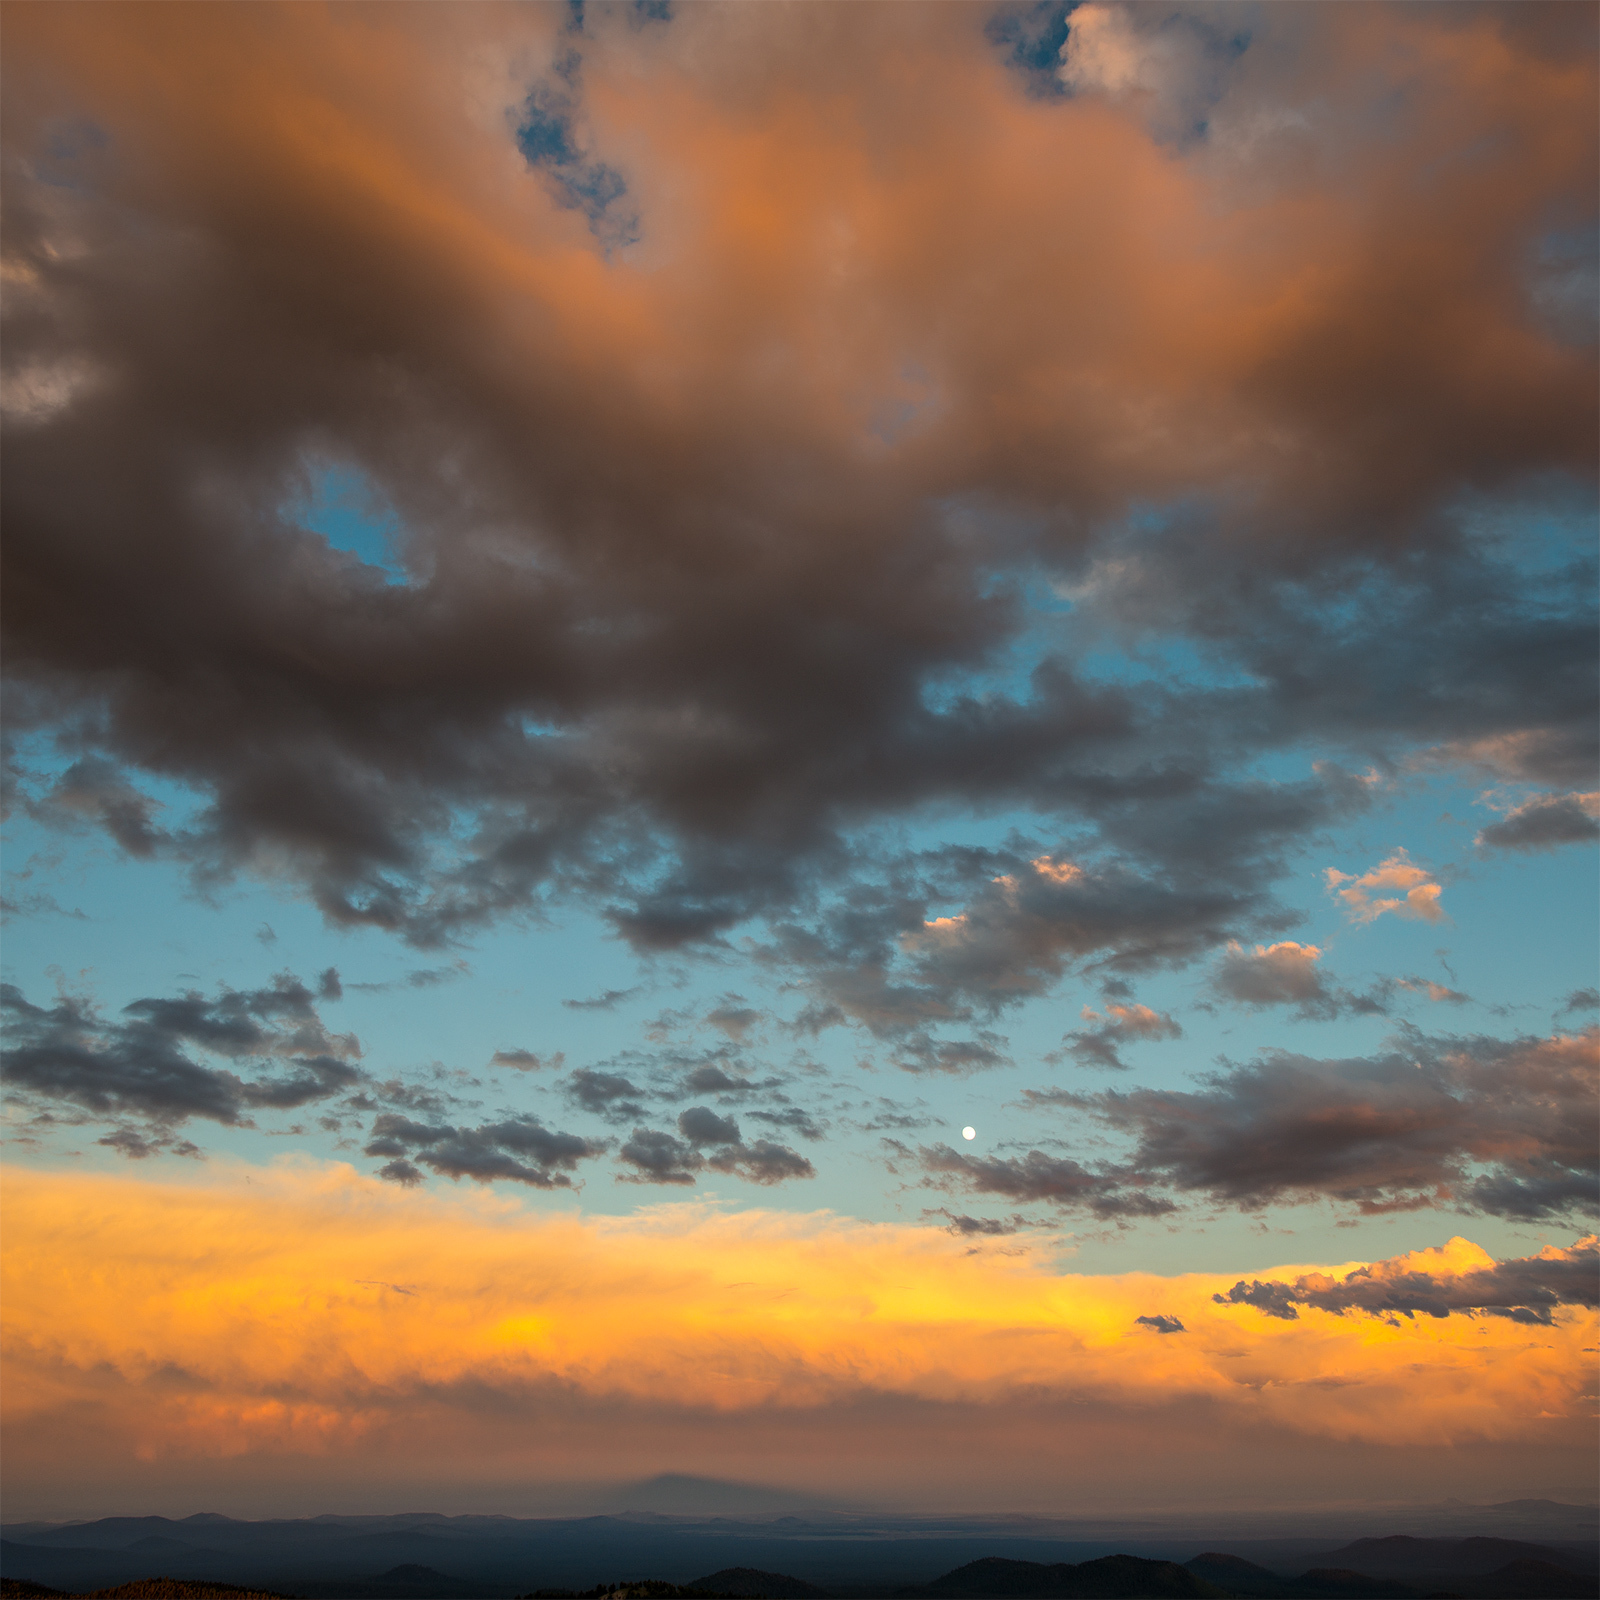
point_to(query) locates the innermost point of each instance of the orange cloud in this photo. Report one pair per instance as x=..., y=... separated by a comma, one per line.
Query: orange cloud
x=1415, y=894
x=300, y=1308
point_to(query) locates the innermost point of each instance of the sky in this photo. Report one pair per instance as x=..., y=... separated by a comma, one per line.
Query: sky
x=854, y=741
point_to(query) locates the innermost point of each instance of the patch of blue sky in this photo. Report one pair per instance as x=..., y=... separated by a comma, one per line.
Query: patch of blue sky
x=41, y=760
x=348, y=509
x=547, y=136
x=1549, y=529
x=1029, y=38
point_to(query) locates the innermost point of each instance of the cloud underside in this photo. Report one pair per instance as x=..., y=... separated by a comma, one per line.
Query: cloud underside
x=679, y=617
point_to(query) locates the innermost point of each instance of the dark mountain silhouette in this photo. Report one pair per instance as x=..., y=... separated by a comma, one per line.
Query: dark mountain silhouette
x=179, y=1589
x=1108, y=1578
x=1532, y=1579
x=1235, y=1574
x=1348, y=1585
x=752, y=1582
x=408, y=1581
x=1401, y=1553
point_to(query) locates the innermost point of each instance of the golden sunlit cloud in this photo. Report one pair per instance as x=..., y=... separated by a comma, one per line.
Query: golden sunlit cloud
x=299, y=1306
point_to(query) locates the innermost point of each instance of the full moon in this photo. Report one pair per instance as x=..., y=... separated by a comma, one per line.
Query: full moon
x=969, y=1133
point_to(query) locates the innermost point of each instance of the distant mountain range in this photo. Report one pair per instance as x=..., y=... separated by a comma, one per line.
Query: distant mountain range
x=424, y=1556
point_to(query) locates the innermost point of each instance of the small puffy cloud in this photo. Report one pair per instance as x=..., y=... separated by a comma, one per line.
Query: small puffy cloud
x=734, y=1020
x=658, y=1157
x=1098, y=1044
x=525, y=1060
x=1281, y=974
x=1545, y=822
x=1457, y=1276
x=1396, y=884
x=608, y=1093
x=701, y=1126
x=516, y=1149
x=1161, y=1324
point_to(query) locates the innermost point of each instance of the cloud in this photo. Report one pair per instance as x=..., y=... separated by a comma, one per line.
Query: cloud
x=1455, y=1277
x=288, y=1344
x=1038, y=1177
x=517, y=1149
x=1289, y=973
x=734, y=1020
x=1545, y=822
x=1098, y=1046
x=1415, y=894
x=1161, y=1324
x=1172, y=61
x=1503, y=1127
x=673, y=628
x=660, y=1158
x=709, y=1078
x=608, y=1093
x=143, y=1064
x=1285, y=973
x=527, y=1060
x=604, y=1002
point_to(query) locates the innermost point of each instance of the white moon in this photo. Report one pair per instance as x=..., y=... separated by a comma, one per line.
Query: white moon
x=969, y=1133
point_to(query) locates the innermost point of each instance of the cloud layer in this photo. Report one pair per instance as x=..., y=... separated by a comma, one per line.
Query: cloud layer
x=348, y=1315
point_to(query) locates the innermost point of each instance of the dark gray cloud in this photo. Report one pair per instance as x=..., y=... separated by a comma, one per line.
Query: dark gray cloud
x=1108, y=1193
x=1527, y=1289
x=1289, y=974
x=1506, y=1127
x=1161, y=1324
x=965, y=1227
x=791, y=1119
x=140, y=1144
x=1545, y=822
x=658, y=1157
x=1582, y=1000
x=1098, y=1045
x=607, y=1093
x=710, y=1078
x=144, y=1063
x=517, y=1149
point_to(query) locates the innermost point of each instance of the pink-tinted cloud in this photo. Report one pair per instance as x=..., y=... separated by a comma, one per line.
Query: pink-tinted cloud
x=1396, y=884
